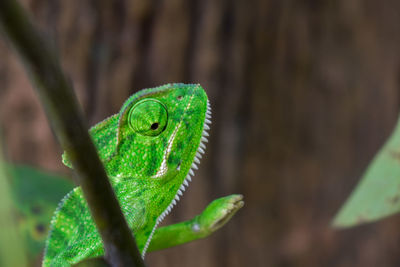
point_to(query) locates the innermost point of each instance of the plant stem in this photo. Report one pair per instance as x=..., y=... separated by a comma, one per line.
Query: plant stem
x=65, y=116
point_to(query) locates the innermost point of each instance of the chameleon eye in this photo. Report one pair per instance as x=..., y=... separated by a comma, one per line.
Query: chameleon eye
x=148, y=117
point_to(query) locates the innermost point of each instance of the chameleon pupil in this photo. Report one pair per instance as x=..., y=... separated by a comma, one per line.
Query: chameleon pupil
x=154, y=126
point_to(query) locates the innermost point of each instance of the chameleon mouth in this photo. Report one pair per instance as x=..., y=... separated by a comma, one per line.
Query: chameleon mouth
x=196, y=160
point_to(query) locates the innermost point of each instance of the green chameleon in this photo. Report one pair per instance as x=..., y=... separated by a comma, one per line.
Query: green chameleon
x=149, y=150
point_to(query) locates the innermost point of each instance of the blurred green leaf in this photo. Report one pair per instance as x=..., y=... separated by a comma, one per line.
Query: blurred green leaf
x=35, y=195
x=12, y=251
x=377, y=195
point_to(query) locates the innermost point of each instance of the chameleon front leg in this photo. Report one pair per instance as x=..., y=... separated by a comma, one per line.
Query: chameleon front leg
x=216, y=215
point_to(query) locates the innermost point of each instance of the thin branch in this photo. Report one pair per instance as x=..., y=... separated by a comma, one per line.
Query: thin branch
x=59, y=101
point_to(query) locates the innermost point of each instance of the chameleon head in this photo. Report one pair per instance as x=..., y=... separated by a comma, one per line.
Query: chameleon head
x=159, y=132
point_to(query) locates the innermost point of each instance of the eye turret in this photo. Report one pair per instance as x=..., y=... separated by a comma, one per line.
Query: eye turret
x=148, y=117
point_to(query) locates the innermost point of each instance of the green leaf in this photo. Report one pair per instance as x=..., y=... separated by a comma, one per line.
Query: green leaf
x=12, y=250
x=35, y=194
x=378, y=193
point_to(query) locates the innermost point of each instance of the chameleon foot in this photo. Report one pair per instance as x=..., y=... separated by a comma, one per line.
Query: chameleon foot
x=218, y=213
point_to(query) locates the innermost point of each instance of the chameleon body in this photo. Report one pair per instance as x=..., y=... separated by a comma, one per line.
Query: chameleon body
x=149, y=150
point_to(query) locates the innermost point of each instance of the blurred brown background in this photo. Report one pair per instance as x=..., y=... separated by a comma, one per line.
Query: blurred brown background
x=303, y=94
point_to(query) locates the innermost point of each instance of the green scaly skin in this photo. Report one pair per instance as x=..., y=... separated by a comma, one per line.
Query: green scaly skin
x=148, y=149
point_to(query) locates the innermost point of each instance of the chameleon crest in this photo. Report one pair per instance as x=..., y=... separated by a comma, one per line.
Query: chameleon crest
x=149, y=150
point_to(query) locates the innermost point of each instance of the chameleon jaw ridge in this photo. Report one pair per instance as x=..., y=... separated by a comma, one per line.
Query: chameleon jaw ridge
x=200, y=150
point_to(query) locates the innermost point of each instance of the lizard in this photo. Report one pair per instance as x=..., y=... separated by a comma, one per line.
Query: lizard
x=150, y=150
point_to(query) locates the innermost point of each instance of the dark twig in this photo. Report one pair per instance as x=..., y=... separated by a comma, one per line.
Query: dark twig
x=63, y=112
